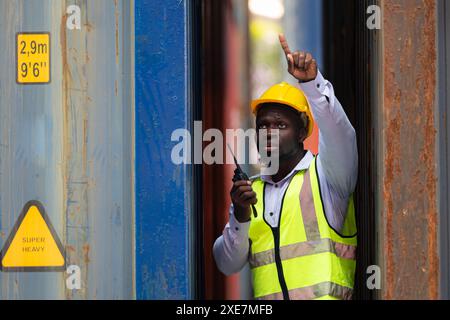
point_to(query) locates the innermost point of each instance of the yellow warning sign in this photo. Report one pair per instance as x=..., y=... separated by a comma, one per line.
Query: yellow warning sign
x=33, y=58
x=33, y=244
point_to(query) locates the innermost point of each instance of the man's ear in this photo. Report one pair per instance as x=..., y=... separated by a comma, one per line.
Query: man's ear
x=302, y=135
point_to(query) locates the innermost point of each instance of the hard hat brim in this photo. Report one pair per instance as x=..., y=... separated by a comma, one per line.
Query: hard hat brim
x=258, y=102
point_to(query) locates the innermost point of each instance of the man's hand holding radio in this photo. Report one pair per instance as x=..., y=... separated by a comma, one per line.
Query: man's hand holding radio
x=243, y=197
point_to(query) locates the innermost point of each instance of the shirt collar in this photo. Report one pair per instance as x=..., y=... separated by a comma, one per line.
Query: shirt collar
x=302, y=165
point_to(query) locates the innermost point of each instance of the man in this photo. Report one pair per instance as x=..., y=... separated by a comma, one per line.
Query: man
x=302, y=243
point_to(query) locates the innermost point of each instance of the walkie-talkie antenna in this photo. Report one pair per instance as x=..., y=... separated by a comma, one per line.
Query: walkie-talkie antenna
x=241, y=175
x=235, y=161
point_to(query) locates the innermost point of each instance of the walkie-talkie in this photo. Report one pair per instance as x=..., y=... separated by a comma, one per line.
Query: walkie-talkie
x=240, y=175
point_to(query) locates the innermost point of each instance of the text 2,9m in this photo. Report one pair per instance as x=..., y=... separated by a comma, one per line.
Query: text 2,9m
x=33, y=58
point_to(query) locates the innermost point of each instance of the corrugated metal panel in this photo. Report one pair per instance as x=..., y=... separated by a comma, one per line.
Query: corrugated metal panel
x=164, y=216
x=409, y=178
x=444, y=134
x=351, y=65
x=216, y=284
x=68, y=144
x=225, y=100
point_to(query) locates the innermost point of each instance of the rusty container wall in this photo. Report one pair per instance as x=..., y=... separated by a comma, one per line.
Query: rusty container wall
x=408, y=247
x=68, y=144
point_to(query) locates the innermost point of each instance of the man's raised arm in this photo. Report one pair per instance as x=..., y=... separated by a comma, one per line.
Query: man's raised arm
x=338, y=156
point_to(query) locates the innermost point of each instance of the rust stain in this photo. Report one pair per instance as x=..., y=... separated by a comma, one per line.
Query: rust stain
x=88, y=27
x=86, y=249
x=66, y=155
x=409, y=182
x=70, y=248
x=389, y=169
x=65, y=108
x=428, y=156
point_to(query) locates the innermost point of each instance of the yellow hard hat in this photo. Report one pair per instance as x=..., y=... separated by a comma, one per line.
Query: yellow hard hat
x=284, y=93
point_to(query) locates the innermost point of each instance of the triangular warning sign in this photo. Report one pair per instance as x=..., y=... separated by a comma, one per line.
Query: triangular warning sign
x=33, y=244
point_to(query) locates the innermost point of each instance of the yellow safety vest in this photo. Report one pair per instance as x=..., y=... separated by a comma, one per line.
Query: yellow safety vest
x=304, y=257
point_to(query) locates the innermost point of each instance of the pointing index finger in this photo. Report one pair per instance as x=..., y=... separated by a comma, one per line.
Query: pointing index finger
x=284, y=44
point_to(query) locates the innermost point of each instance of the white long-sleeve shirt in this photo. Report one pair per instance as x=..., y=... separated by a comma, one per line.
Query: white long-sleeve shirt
x=337, y=166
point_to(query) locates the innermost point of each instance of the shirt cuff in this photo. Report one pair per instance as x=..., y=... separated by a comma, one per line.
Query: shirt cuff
x=316, y=88
x=240, y=230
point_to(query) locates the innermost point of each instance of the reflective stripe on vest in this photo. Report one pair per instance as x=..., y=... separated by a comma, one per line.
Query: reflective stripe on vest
x=303, y=249
x=303, y=258
x=319, y=290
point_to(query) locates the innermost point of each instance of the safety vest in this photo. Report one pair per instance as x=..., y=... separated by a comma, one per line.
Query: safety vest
x=304, y=257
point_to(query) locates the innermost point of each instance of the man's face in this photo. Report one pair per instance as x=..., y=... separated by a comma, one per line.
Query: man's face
x=287, y=121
